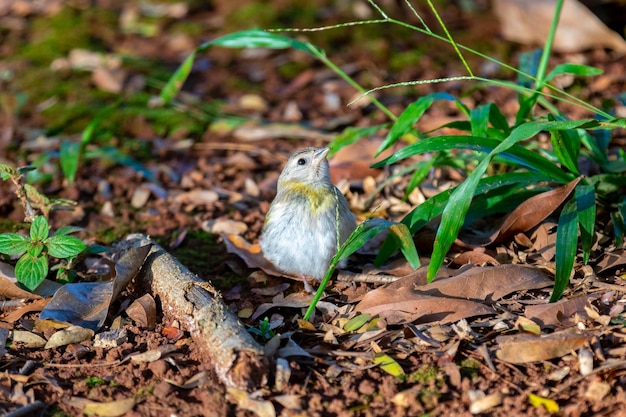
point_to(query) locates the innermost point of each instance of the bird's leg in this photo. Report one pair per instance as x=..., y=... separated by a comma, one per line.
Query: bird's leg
x=307, y=287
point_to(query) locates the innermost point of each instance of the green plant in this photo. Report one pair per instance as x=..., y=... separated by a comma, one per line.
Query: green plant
x=264, y=330
x=489, y=138
x=32, y=267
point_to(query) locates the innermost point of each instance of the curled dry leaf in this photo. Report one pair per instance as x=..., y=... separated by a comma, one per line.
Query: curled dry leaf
x=8, y=287
x=87, y=304
x=143, y=312
x=532, y=212
x=73, y=334
x=526, y=348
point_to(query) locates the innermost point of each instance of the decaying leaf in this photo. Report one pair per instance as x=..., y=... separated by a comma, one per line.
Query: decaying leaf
x=528, y=21
x=143, y=312
x=243, y=400
x=8, y=287
x=406, y=305
x=86, y=304
x=73, y=334
x=489, y=283
x=111, y=408
x=557, y=314
x=532, y=212
x=525, y=348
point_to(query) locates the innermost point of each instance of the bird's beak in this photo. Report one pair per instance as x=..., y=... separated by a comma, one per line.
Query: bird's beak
x=320, y=155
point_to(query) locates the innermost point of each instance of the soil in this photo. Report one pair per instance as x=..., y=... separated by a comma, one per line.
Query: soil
x=211, y=166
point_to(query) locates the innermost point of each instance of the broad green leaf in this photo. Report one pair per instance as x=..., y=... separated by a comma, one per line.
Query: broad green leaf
x=13, y=243
x=389, y=365
x=480, y=120
x=67, y=230
x=586, y=208
x=39, y=229
x=405, y=121
x=64, y=246
x=31, y=271
x=529, y=62
x=351, y=135
x=357, y=322
x=497, y=119
x=410, y=115
x=566, y=245
x=574, y=69
x=176, y=81
x=254, y=38
x=433, y=207
x=561, y=141
x=403, y=236
x=515, y=154
x=69, y=157
x=35, y=249
x=453, y=215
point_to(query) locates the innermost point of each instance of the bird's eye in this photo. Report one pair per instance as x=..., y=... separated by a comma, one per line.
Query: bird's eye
x=301, y=161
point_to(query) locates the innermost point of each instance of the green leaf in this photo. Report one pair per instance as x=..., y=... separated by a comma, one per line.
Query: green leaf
x=39, y=229
x=389, y=365
x=356, y=322
x=410, y=115
x=64, y=246
x=586, y=208
x=480, y=120
x=176, y=81
x=69, y=156
x=351, y=135
x=404, y=239
x=453, y=215
x=254, y=38
x=574, y=69
x=13, y=243
x=8, y=172
x=515, y=154
x=31, y=271
x=433, y=207
x=566, y=245
x=35, y=249
x=406, y=120
x=68, y=230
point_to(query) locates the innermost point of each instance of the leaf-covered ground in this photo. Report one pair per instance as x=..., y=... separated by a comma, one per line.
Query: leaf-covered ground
x=480, y=339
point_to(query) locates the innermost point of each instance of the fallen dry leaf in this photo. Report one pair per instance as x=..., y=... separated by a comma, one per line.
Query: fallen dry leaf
x=528, y=22
x=73, y=334
x=143, y=312
x=405, y=306
x=488, y=283
x=532, y=212
x=526, y=348
x=557, y=314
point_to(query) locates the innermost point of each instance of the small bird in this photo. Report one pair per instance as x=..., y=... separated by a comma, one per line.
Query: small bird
x=300, y=232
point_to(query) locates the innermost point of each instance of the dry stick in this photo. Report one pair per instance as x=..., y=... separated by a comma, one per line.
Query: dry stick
x=236, y=357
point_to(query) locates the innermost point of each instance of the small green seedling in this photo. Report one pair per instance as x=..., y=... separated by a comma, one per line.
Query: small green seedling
x=32, y=267
x=264, y=329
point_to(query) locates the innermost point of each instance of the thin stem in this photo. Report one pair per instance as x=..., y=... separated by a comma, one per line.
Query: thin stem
x=319, y=55
x=445, y=29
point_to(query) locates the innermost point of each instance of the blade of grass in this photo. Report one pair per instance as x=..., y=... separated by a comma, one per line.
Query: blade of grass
x=586, y=208
x=566, y=245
